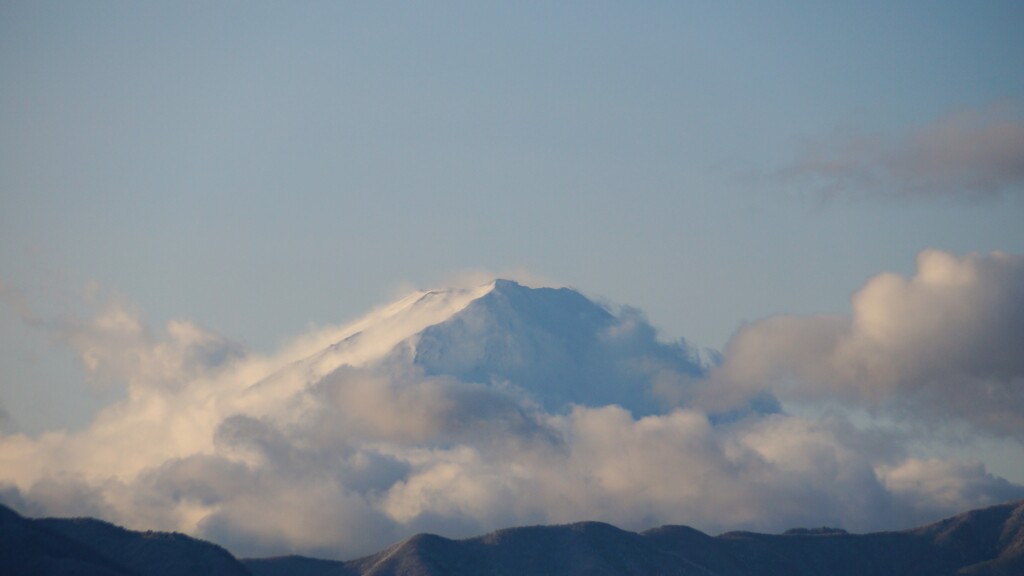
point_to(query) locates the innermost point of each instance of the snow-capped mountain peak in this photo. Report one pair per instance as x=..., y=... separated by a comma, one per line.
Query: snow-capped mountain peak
x=554, y=344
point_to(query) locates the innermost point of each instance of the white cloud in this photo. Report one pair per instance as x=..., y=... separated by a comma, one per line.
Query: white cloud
x=943, y=345
x=928, y=486
x=283, y=454
x=117, y=347
x=974, y=153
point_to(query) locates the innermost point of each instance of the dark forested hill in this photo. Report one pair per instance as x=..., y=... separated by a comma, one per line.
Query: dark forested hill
x=87, y=547
x=989, y=541
x=26, y=547
x=150, y=553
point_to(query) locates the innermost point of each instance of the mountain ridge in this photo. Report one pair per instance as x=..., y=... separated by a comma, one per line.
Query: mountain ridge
x=986, y=541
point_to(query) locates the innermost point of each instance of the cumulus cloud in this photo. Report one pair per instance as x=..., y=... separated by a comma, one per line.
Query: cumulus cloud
x=929, y=485
x=317, y=450
x=974, y=154
x=943, y=345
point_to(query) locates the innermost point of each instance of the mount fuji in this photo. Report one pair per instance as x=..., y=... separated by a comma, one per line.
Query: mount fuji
x=553, y=346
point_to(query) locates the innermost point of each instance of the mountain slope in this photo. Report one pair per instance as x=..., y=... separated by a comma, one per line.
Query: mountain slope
x=151, y=553
x=370, y=340
x=26, y=547
x=584, y=548
x=88, y=547
x=991, y=540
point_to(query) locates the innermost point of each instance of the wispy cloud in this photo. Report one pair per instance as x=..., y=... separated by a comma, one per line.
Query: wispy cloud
x=117, y=346
x=973, y=154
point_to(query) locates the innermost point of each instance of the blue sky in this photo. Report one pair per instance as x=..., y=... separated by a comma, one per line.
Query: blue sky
x=261, y=167
x=258, y=167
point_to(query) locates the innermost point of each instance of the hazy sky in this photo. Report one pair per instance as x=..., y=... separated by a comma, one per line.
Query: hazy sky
x=258, y=167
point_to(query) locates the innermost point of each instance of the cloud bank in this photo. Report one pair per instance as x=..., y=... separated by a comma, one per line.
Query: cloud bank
x=317, y=450
x=974, y=154
x=943, y=345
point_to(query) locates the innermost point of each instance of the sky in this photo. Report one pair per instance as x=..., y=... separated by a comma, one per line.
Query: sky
x=250, y=173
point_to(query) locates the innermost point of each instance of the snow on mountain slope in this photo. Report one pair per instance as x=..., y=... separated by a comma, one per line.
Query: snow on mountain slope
x=369, y=339
x=554, y=344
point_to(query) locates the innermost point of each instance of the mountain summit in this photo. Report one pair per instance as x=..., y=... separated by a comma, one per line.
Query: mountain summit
x=553, y=344
x=557, y=345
